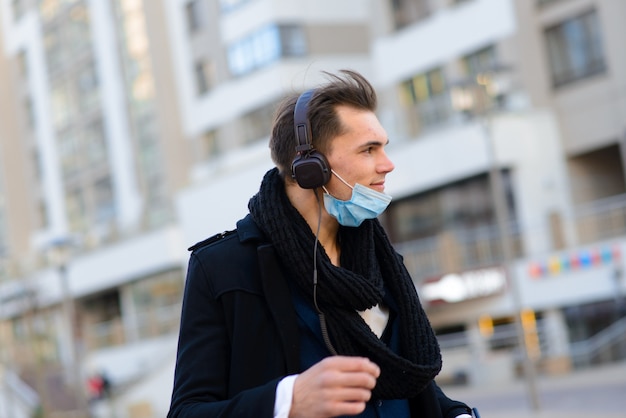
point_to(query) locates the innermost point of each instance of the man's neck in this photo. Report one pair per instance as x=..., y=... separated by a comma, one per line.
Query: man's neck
x=307, y=205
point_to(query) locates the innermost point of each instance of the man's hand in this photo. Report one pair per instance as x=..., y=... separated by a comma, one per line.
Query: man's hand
x=335, y=386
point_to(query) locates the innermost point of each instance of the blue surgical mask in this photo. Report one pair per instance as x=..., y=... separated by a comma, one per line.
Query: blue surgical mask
x=365, y=203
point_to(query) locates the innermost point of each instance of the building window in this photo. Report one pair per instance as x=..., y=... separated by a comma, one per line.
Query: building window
x=195, y=16
x=455, y=3
x=55, y=54
x=69, y=153
x=101, y=316
x=42, y=215
x=94, y=147
x=407, y=12
x=205, y=76
x=77, y=31
x=257, y=123
x=485, y=84
x=88, y=88
x=104, y=202
x=264, y=47
x=451, y=228
x=49, y=9
x=36, y=163
x=229, y=5
x=3, y=228
x=425, y=99
x=19, y=9
x=156, y=301
x=575, y=49
x=66, y=41
x=483, y=60
x=208, y=146
x=542, y=3
x=29, y=109
x=463, y=205
x=423, y=87
x=62, y=104
x=22, y=63
x=292, y=40
x=76, y=209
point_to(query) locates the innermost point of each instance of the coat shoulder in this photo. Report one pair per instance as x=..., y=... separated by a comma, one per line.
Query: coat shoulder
x=211, y=240
x=246, y=231
x=229, y=261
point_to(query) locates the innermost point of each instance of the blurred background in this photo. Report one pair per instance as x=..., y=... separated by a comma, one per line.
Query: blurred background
x=130, y=129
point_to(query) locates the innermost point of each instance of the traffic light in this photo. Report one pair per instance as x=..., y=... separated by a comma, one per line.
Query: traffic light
x=485, y=326
x=531, y=336
x=529, y=322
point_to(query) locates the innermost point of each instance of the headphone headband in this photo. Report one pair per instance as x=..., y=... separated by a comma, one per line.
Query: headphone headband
x=309, y=168
x=302, y=124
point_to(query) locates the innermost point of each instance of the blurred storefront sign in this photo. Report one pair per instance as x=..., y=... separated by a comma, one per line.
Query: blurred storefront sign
x=458, y=287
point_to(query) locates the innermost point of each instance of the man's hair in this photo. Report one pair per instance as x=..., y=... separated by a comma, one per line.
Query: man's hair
x=348, y=88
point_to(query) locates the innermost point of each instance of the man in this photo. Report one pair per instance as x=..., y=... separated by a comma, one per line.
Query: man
x=305, y=310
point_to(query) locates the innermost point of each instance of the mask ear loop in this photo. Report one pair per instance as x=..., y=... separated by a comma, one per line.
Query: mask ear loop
x=326, y=190
x=321, y=315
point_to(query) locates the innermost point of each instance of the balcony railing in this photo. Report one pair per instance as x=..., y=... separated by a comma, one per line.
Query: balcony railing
x=456, y=250
x=428, y=114
x=157, y=321
x=466, y=249
x=606, y=346
x=105, y=334
x=151, y=322
x=601, y=219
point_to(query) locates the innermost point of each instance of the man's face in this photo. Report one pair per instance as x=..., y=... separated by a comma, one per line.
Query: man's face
x=358, y=155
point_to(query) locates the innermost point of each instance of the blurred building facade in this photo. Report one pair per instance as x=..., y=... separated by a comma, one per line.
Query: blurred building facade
x=91, y=162
x=132, y=129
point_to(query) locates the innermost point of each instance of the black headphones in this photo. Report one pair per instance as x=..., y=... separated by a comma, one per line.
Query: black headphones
x=309, y=168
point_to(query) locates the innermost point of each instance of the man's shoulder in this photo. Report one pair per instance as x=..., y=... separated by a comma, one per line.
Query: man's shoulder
x=211, y=240
x=229, y=259
x=246, y=232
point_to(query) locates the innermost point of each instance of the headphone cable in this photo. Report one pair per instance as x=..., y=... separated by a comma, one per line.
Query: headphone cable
x=323, y=325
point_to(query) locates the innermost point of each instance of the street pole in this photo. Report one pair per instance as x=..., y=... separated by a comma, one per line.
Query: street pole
x=501, y=207
x=5, y=390
x=476, y=98
x=32, y=311
x=69, y=313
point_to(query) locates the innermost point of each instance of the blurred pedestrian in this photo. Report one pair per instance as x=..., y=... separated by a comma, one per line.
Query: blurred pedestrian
x=94, y=387
x=98, y=386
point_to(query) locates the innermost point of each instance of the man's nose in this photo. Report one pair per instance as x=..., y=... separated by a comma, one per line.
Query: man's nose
x=386, y=165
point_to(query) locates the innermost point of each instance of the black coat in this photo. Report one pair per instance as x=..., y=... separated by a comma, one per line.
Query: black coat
x=239, y=335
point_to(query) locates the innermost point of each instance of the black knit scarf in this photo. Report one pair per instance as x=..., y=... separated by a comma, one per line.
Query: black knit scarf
x=369, y=264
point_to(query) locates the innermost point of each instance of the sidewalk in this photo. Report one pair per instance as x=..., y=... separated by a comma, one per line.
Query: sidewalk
x=598, y=392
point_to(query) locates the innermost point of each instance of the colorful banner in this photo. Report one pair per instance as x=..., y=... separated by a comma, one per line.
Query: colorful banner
x=574, y=261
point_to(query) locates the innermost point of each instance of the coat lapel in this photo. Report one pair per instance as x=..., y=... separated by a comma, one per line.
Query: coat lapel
x=280, y=303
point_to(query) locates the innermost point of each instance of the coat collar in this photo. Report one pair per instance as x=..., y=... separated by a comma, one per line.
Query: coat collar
x=248, y=230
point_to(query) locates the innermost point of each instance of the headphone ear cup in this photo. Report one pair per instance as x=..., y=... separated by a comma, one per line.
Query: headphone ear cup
x=310, y=170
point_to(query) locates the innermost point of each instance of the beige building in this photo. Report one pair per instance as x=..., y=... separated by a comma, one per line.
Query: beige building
x=93, y=154
x=16, y=218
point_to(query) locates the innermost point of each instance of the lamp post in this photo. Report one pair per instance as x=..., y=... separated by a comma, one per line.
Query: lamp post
x=22, y=299
x=60, y=255
x=619, y=297
x=480, y=98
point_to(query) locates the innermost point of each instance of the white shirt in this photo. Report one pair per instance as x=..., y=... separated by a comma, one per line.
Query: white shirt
x=377, y=318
